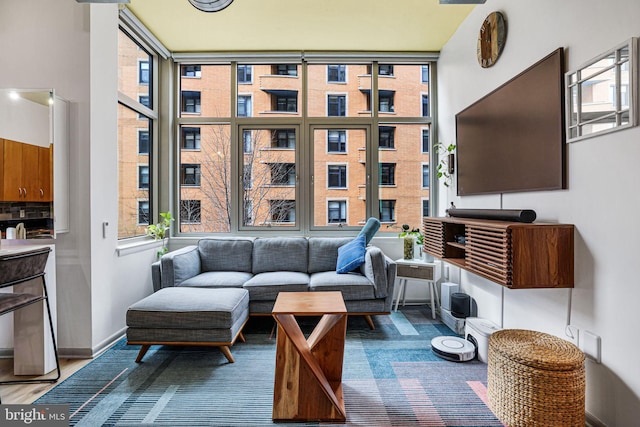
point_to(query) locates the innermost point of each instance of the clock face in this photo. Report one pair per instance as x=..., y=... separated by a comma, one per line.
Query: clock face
x=491, y=38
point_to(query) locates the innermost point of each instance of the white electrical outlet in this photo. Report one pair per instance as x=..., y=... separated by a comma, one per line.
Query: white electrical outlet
x=21, y=213
x=590, y=343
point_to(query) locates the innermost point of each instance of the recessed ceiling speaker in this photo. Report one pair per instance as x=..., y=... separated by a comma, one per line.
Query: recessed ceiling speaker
x=455, y=349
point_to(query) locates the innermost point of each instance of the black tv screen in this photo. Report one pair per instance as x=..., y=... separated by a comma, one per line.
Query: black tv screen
x=512, y=139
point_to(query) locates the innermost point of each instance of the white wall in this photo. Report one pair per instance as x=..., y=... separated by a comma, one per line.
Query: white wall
x=72, y=48
x=601, y=199
x=24, y=121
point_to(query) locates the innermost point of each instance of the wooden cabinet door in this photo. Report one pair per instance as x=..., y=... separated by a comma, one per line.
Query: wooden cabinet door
x=30, y=175
x=12, y=177
x=45, y=193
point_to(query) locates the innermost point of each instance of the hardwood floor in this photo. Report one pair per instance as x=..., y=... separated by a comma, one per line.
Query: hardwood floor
x=27, y=393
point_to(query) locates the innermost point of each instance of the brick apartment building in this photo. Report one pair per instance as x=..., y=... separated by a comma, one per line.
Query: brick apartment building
x=270, y=131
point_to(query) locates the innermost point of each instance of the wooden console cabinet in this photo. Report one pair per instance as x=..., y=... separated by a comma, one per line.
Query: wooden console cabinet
x=513, y=254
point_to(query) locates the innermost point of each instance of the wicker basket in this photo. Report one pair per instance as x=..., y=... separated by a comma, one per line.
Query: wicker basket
x=535, y=379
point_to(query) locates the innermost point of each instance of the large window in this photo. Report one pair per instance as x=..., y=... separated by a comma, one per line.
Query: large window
x=136, y=118
x=305, y=146
x=269, y=185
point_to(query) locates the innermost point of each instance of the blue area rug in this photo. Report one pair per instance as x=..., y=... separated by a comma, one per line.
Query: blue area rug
x=390, y=378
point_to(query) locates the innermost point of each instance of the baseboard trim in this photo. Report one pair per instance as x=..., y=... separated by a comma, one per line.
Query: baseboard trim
x=95, y=351
x=593, y=421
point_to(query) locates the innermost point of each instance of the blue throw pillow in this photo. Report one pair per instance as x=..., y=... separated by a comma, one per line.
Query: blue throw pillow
x=370, y=229
x=351, y=255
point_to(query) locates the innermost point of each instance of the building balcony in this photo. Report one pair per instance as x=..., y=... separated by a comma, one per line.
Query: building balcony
x=271, y=83
x=362, y=155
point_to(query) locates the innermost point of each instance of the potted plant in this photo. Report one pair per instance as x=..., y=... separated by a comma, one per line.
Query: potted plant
x=445, y=168
x=160, y=231
x=413, y=240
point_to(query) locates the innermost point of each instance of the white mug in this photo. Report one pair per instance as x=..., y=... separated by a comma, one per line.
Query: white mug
x=11, y=232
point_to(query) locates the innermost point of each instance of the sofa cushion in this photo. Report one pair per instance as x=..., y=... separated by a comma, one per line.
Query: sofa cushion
x=226, y=254
x=351, y=255
x=266, y=286
x=280, y=254
x=354, y=286
x=323, y=253
x=218, y=279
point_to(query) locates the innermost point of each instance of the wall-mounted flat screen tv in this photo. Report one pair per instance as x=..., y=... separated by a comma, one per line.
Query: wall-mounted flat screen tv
x=513, y=140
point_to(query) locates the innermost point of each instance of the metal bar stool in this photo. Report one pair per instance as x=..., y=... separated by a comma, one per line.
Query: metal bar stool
x=16, y=268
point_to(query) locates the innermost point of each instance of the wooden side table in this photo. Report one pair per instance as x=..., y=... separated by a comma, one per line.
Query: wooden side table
x=308, y=377
x=422, y=271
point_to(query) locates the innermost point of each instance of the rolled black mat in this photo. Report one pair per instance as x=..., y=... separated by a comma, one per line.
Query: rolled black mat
x=515, y=215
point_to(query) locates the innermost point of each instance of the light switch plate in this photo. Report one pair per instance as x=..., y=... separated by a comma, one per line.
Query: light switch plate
x=590, y=343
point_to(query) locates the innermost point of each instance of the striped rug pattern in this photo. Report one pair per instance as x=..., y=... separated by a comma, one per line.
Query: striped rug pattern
x=390, y=378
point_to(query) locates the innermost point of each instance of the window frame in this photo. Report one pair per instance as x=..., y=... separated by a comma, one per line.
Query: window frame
x=304, y=203
x=147, y=111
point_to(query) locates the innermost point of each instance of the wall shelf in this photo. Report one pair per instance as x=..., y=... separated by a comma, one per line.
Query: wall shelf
x=513, y=254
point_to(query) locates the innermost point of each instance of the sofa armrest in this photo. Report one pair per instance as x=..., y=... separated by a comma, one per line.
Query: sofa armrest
x=156, y=274
x=380, y=269
x=180, y=265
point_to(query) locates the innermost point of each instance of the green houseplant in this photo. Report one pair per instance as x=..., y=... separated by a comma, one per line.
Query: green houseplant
x=160, y=231
x=445, y=167
x=412, y=237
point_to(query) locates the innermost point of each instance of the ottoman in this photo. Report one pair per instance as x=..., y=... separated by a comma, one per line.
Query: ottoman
x=535, y=379
x=189, y=316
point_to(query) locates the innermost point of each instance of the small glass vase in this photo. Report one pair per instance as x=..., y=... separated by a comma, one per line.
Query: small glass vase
x=409, y=243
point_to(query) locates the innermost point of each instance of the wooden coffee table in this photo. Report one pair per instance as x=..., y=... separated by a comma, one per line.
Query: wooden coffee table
x=308, y=378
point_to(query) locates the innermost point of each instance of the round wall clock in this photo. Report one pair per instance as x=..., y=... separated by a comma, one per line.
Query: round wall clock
x=210, y=5
x=491, y=39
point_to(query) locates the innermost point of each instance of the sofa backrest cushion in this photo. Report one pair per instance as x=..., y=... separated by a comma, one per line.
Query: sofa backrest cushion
x=226, y=254
x=323, y=252
x=280, y=254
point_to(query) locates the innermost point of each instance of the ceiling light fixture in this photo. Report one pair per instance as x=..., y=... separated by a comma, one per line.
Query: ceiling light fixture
x=463, y=1
x=210, y=5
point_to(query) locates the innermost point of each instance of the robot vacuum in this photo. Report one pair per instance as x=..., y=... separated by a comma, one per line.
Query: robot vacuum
x=455, y=349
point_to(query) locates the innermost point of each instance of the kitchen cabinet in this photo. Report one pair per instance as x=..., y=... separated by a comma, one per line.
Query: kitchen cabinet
x=26, y=172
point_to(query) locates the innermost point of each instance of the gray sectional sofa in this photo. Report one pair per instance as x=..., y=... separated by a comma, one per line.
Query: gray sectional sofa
x=269, y=265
